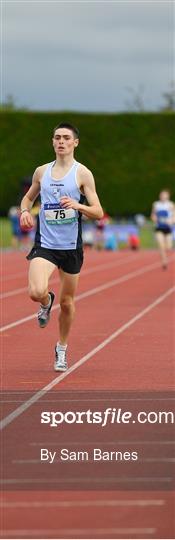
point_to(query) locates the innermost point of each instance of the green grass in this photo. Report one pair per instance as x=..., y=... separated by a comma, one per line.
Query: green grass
x=5, y=233
x=147, y=237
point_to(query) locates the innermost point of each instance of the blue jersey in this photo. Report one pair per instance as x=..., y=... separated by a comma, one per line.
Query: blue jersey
x=58, y=227
x=164, y=213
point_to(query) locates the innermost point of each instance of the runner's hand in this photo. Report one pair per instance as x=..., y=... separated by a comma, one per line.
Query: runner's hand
x=26, y=220
x=67, y=202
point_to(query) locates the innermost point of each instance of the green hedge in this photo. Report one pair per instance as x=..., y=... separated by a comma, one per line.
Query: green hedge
x=131, y=155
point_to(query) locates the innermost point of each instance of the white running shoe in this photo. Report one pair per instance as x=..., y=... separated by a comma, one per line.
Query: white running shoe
x=44, y=312
x=60, y=363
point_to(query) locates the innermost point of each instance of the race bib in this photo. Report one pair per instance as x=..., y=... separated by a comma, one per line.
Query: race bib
x=54, y=215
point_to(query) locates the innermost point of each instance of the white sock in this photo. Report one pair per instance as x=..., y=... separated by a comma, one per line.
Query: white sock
x=48, y=305
x=61, y=347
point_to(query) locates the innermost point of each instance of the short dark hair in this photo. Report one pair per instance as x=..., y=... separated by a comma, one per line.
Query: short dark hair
x=74, y=129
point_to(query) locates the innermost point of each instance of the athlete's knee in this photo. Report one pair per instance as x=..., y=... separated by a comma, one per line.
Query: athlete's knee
x=37, y=292
x=67, y=305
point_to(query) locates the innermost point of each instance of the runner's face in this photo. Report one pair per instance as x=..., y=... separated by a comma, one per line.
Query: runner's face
x=164, y=196
x=64, y=142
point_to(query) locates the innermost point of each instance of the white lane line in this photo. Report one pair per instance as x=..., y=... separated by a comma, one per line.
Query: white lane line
x=15, y=292
x=145, y=460
x=17, y=412
x=158, y=460
x=77, y=443
x=99, y=267
x=14, y=276
x=69, y=533
x=84, y=480
x=90, y=398
x=84, y=504
x=90, y=292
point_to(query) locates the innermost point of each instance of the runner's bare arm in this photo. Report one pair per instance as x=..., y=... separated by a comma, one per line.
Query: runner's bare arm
x=173, y=218
x=28, y=200
x=87, y=185
x=153, y=215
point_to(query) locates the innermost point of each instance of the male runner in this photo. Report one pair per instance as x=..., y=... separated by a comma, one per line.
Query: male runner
x=163, y=215
x=63, y=185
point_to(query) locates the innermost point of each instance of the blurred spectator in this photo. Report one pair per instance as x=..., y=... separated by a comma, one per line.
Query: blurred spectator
x=134, y=241
x=88, y=238
x=111, y=242
x=100, y=225
x=14, y=217
x=140, y=220
x=105, y=220
x=20, y=239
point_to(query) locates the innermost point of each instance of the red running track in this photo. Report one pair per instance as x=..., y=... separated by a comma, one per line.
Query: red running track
x=122, y=339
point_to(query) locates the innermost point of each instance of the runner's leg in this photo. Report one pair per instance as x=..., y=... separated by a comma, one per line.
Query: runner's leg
x=169, y=241
x=160, y=237
x=68, y=287
x=40, y=271
x=168, y=244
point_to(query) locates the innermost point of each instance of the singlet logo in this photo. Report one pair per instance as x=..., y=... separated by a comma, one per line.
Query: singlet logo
x=57, y=190
x=61, y=185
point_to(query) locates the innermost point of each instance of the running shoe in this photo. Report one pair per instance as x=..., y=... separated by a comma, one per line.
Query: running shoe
x=60, y=363
x=44, y=312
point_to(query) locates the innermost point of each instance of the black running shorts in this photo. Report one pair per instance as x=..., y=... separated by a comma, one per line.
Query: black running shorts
x=164, y=231
x=69, y=260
